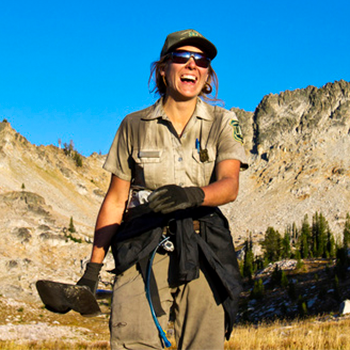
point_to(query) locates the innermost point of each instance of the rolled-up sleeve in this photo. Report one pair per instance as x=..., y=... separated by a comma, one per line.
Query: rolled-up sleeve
x=230, y=141
x=119, y=160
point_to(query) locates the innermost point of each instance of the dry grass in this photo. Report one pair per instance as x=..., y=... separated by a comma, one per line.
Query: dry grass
x=327, y=333
x=302, y=335
x=298, y=335
x=54, y=345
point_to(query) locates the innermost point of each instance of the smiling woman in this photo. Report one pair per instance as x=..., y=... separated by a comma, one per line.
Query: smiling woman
x=181, y=56
x=184, y=81
x=172, y=164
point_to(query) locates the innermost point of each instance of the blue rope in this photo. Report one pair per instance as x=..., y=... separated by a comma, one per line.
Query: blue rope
x=148, y=295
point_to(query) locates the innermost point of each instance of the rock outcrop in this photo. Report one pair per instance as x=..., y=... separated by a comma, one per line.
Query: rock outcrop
x=298, y=143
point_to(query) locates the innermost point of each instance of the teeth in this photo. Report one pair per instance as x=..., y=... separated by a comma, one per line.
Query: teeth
x=189, y=77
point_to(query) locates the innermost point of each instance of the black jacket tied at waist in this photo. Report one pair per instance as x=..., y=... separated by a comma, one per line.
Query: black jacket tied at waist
x=141, y=231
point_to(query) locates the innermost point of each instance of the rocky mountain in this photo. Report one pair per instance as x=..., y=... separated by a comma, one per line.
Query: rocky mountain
x=41, y=189
x=298, y=144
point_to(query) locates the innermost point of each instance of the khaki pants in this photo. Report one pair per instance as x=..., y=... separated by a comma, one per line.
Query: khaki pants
x=199, y=320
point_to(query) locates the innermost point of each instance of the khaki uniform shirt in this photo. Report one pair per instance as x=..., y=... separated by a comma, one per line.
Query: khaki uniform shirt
x=148, y=151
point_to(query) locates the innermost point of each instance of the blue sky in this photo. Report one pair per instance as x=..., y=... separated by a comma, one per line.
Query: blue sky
x=71, y=70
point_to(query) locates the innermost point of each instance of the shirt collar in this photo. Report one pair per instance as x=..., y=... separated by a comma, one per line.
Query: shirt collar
x=202, y=111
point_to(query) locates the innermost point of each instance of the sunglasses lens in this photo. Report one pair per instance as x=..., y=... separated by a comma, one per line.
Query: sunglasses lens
x=182, y=57
x=202, y=62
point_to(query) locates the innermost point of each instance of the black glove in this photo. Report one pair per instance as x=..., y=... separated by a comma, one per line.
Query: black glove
x=171, y=197
x=90, y=276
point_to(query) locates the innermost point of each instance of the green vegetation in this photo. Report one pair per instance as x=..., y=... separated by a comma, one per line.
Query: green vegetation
x=71, y=227
x=69, y=151
x=309, y=241
x=312, y=246
x=258, y=290
x=76, y=240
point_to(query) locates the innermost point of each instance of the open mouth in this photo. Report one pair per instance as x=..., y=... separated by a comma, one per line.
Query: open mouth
x=187, y=78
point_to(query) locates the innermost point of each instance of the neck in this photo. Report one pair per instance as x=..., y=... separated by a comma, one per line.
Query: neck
x=179, y=108
x=179, y=112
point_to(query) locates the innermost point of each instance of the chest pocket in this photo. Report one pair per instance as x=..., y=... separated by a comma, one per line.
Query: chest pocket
x=150, y=168
x=203, y=172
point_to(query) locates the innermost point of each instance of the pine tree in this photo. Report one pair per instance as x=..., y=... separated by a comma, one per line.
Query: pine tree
x=276, y=276
x=336, y=294
x=284, y=280
x=346, y=232
x=300, y=262
x=248, y=263
x=302, y=308
x=342, y=263
x=272, y=244
x=286, y=244
x=305, y=238
x=319, y=235
x=71, y=227
x=330, y=248
x=258, y=290
x=78, y=159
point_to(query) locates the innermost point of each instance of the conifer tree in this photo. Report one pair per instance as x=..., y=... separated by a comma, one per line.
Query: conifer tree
x=286, y=244
x=302, y=308
x=71, y=227
x=330, y=248
x=272, y=244
x=294, y=233
x=248, y=263
x=305, y=238
x=284, y=280
x=346, y=232
x=319, y=235
x=258, y=290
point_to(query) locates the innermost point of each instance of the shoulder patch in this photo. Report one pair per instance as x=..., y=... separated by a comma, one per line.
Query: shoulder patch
x=237, y=132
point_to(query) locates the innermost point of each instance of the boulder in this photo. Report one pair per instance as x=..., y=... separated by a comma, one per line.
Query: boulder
x=345, y=307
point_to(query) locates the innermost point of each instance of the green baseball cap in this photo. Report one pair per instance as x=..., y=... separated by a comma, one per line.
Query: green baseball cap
x=188, y=37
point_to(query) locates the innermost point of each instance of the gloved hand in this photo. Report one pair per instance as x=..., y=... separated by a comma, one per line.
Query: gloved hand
x=90, y=276
x=169, y=198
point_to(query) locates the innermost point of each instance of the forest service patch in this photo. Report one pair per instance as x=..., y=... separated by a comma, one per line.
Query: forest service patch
x=237, y=132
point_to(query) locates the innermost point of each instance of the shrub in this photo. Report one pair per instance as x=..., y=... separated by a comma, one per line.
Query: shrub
x=71, y=226
x=258, y=291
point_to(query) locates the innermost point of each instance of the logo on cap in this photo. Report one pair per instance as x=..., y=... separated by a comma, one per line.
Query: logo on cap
x=192, y=33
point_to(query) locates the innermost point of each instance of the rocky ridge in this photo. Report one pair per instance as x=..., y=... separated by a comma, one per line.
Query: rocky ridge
x=40, y=190
x=298, y=143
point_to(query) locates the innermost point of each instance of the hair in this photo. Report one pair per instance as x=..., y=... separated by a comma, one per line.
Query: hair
x=160, y=88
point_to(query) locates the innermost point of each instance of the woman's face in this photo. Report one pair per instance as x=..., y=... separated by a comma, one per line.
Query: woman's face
x=185, y=81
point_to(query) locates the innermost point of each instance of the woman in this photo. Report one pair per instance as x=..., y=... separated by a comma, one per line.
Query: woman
x=172, y=164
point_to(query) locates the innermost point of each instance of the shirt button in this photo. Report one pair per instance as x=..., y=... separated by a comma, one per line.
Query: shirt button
x=181, y=184
x=180, y=159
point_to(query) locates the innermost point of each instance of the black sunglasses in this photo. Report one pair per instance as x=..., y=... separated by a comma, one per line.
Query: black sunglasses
x=183, y=57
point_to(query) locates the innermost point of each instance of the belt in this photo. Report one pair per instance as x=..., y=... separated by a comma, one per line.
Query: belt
x=196, y=228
